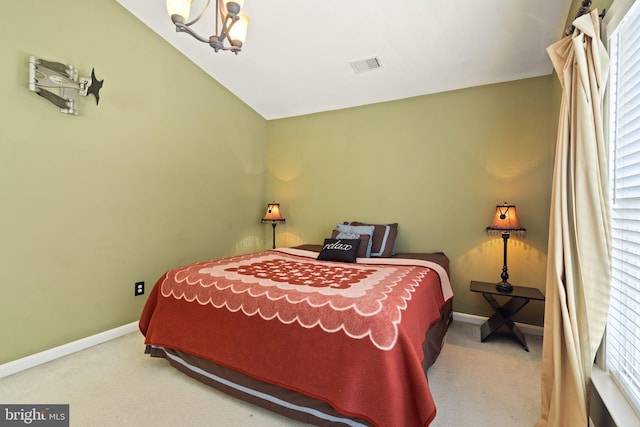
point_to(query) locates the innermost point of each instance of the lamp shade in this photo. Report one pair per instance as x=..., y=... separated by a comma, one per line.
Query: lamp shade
x=238, y=33
x=506, y=220
x=273, y=213
x=179, y=7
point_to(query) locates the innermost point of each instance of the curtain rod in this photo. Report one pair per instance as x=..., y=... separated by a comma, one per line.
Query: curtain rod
x=584, y=8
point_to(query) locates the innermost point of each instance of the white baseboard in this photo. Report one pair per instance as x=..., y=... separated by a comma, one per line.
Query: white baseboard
x=65, y=350
x=479, y=320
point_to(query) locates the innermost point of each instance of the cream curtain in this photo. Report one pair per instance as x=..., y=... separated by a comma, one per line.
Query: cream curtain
x=578, y=266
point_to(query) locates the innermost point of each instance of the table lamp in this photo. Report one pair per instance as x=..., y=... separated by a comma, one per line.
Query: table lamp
x=273, y=216
x=505, y=222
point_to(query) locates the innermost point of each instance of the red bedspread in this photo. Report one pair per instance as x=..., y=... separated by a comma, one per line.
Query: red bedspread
x=348, y=334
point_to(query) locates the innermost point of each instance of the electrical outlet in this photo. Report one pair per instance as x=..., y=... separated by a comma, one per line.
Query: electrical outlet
x=138, y=288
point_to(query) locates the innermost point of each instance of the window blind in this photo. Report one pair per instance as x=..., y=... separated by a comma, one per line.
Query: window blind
x=623, y=327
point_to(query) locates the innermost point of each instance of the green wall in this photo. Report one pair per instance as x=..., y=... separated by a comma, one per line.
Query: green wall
x=437, y=165
x=151, y=178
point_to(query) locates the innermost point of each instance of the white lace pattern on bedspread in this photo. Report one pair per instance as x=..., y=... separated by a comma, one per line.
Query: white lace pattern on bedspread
x=362, y=300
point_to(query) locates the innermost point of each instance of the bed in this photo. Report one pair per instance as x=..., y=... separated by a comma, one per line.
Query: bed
x=325, y=342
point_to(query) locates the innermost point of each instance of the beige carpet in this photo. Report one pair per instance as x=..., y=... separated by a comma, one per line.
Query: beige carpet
x=114, y=384
x=495, y=383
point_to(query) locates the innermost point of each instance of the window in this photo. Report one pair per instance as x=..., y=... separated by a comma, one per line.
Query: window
x=622, y=346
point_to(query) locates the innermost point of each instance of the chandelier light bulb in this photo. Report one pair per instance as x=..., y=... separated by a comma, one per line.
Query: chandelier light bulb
x=238, y=33
x=180, y=8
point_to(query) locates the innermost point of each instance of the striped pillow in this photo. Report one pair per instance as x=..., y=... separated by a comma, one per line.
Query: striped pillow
x=383, y=238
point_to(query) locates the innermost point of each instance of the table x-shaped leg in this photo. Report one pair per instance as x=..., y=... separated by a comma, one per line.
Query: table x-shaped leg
x=502, y=316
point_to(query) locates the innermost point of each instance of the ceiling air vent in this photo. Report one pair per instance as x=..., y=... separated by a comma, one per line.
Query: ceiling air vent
x=368, y=64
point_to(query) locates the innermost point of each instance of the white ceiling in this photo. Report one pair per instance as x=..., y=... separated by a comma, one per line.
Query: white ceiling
x=296, y=59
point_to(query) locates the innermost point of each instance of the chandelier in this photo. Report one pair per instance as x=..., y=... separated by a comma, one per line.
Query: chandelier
x=231, y=25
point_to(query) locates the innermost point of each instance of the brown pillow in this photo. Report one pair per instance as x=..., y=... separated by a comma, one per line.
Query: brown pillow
x=384, y=238
x=364, y=242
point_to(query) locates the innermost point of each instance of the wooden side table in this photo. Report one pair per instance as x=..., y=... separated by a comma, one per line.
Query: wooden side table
x=519, y=297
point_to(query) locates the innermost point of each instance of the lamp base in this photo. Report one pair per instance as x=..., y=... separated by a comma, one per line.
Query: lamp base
x=504, y=286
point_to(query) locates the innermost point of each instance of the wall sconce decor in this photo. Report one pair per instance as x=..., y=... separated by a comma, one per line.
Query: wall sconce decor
x=504, y=223
x=274, y=217
x=45, y=74
x=233, y=23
